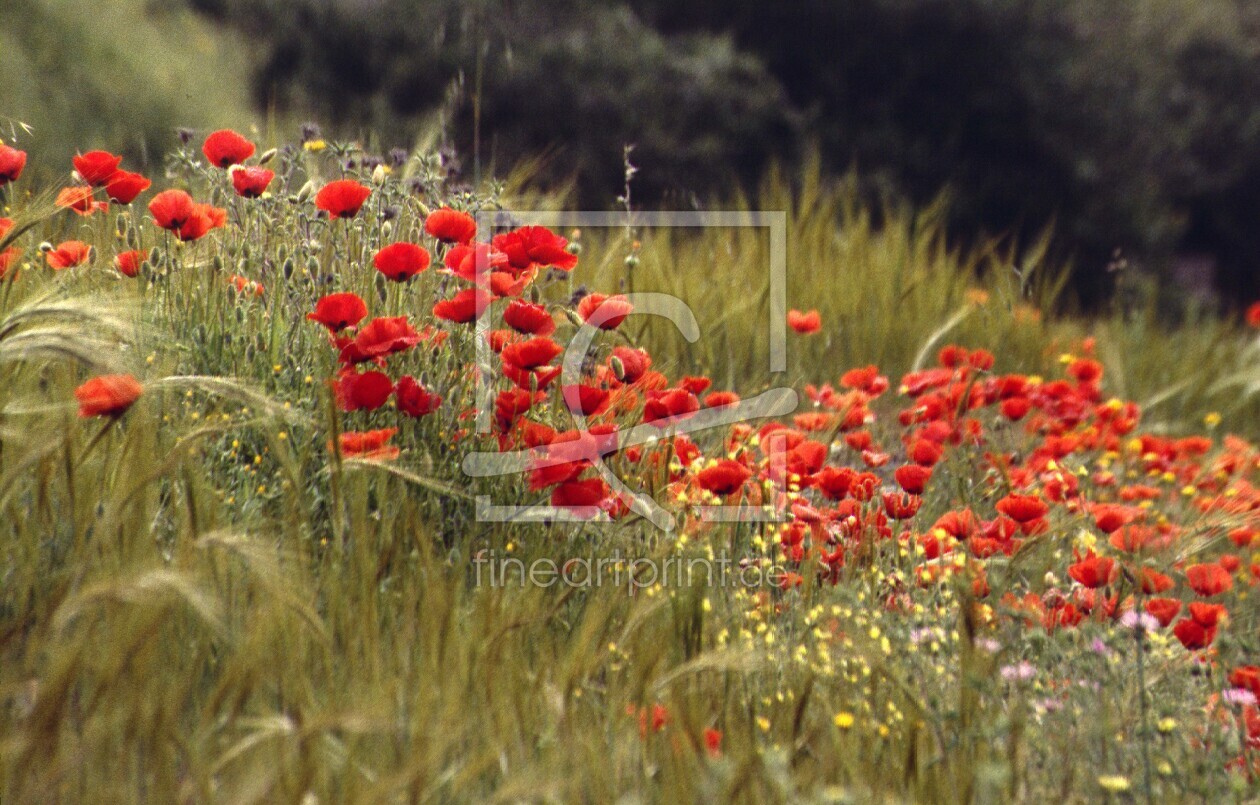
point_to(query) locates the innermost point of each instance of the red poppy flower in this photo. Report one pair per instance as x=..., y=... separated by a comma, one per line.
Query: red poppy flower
x=1163, y=609
x=1111, y=517
x=526, y=317
x=1209, y=580
x=1206, y=615
x=251, y=182
x=604, y=312
x=472, y=262
x=583, y=496
x=867, y=379
x=720, y=399
x=1253, y=311
x=724, y=478
x=1085, y=370
x=362, y=392
x=108, y=395
x=451, y=226
x=532, y=353
x=713, y=741
x=1093, y=571
x=901, y=506
x=913, y=478
x=12, y=161
x=1246, y=677
x=1152, y=581
x=1192, y=635
x=533, y=247
x=926, y=452
x=664, y=407
x=511, y=403
x=69, y=254
x=204, y=218
x=5, y=225
x=226, y=148
x=629, y=364
x=401, y=261
x=1015, y=408
x=171, y=209
x=413, y=399
x=124, y=186
x=342, y=198
x=80, y=199
x=804, y=323
x=338, y=311
x=245, y=286
x=586, y=400
x=128, y=263
x=381, y=337
x=463, y=307
x=97, y=167
x=371, y=444
x=1023, y=508
x=8, y=258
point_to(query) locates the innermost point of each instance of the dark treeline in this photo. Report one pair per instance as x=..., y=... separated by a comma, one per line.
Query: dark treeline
x=1131, y=124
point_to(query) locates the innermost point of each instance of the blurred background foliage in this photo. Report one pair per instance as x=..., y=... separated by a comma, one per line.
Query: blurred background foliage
x=119, y=76
x=1131, y=125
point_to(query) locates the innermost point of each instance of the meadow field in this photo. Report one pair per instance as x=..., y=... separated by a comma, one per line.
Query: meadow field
x=326, y=480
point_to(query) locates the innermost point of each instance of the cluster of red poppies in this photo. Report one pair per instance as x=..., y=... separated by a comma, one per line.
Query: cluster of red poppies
x=1159, y=527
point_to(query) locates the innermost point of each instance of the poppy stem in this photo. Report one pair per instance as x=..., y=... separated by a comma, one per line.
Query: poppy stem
x=1143, y=730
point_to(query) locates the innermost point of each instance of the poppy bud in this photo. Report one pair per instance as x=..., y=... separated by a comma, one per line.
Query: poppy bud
x=306, y=191
x=287, y=268
x=121, y=227
x=379, y=173
x=227, y=338
x=387, y=228
x=573, y=317
x=618, y=368
x=424, y=211
x=249, y=353
x=154, y=255
x=231, y=294
x=267, y=156
x=380, y=286
x=217, y=263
